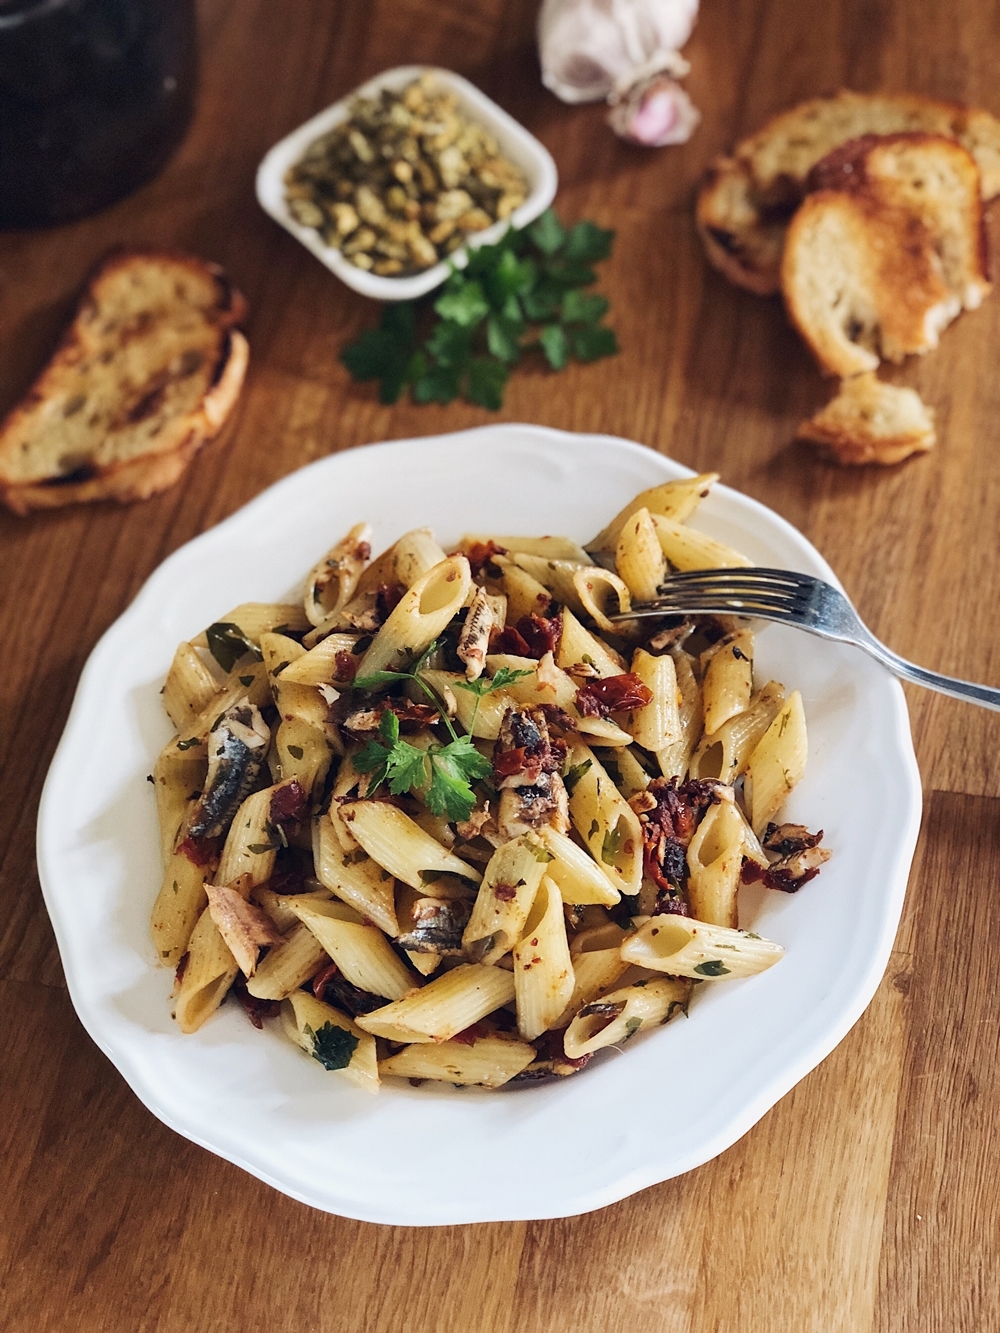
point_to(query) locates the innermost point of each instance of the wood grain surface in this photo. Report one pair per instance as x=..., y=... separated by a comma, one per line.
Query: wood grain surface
x=868, y=1199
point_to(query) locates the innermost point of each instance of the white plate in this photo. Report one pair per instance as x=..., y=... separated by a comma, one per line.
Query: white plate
x=670, y=1100
x=516, y=144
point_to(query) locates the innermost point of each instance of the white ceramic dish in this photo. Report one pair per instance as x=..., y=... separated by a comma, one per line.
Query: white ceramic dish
x=539, y=1151
x=517, y=145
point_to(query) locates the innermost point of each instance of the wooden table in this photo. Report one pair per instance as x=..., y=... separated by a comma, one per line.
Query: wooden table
x=868, y=1199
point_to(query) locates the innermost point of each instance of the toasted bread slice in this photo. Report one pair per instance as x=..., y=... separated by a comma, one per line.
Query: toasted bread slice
x=871, y=422
x=148, y=370
x=930, y=176
x=747, y=197
x=862, y=281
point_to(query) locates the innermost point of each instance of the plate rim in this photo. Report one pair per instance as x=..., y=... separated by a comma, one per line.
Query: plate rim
x=584, y=1199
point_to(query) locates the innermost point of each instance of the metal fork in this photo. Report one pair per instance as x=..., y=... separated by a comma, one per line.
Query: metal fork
x=793, y=599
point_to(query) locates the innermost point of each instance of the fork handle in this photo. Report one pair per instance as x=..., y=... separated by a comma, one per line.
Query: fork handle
x=984, y=695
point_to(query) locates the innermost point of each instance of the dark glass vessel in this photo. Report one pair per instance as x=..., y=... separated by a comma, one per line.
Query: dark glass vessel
x=95, y=95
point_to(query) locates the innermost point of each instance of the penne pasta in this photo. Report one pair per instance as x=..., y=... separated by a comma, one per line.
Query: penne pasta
x=400, y=845
x=256, y=618
x=673, y=499
x=578, y=645
x=602, y=595
x=605, y=821
x=725, y=754
x=445, y=1006
x=657, y=725
x=414, y=554
x=287, y=966
x=489, y=1061
x=687, y=548
x=354, y=876
x=332, y=1039
x=525, y=595
x=728, y=680
x=675, y=757
x=777, y=763
x=543, y=972
x=687, y=948
x=189, y=686
x=209, y=972
x=714, y=859
x=638, y=559
x=575, y=872
x=552, y=548
x=422, y=613
x=510, y=884
x=331, y=583
x=361, y=951
x=616, y=1017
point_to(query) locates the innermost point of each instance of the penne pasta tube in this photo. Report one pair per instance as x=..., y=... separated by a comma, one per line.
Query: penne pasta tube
x=331, y=1038
x=284, y=968
x=725, y=754
x=604, y=820
x=674, y=758
x=602, y=595
x=688, y=948
x=179, y=903
x=424, y=963
x=353, y=876
x=714, y=859
x=552, y=548
x=362, y=952
x=671, y=499
x=728, y=680
x=525, y=595
x=422, y=613
x=445, y=1006
x=251, y=844
x=178, y=779
x=414, y=554
x=575, y=872
x=543, y=971
x=556, y=576
x=595, y=972
x=656, y=725
x=577, y=644
x=189, y=686
x=638, y=559
x=393, y=840
x=616, y=1017
x=278, y=906
x=510, y=884
x=319, y=665
x=777, y=763
x=686, y=548
x=257, y=618
x=209, y=972
x=490, y=1061
x=332, y=581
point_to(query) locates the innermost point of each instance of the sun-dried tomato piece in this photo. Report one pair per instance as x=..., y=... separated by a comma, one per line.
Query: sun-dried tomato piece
x=346, y=664
x=470, y=1035
x=612, y=694
x=387, y=598
x=256, y=1010
x=199, y=851
x=511, y=641
x=540, y=635
x=507, y=762
x=289, y=804
x=480, y=554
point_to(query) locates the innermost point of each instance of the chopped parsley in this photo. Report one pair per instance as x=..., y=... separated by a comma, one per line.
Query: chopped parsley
x=332, y=1046
x=227, y=643
x=715, y=967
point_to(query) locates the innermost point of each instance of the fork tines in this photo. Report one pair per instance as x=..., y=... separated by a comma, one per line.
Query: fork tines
x=741, y=590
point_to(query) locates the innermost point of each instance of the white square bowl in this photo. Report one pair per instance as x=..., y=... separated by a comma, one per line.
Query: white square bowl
x=516, y=144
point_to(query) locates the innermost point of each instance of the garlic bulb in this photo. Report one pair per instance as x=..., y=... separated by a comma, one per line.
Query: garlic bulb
x=593, y=49
x=654, y=112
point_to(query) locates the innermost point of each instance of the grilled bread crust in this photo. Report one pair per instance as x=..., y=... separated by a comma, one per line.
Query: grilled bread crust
x=871, y=422
x=748, y=197
x=148, y=370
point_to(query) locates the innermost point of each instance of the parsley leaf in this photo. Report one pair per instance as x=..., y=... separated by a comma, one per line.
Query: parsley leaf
x=333, y=1046
x=715, y=967
x=612, y=845
x=503, y=677
x=454, y=768
x=477, y=327
x=573, y=775
x=227, y=643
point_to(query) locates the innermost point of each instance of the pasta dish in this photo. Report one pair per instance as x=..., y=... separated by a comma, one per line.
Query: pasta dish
x=445, y=819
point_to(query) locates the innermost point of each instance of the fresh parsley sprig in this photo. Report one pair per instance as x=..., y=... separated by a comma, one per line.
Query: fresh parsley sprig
x=523, y=292
x=444, y=774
